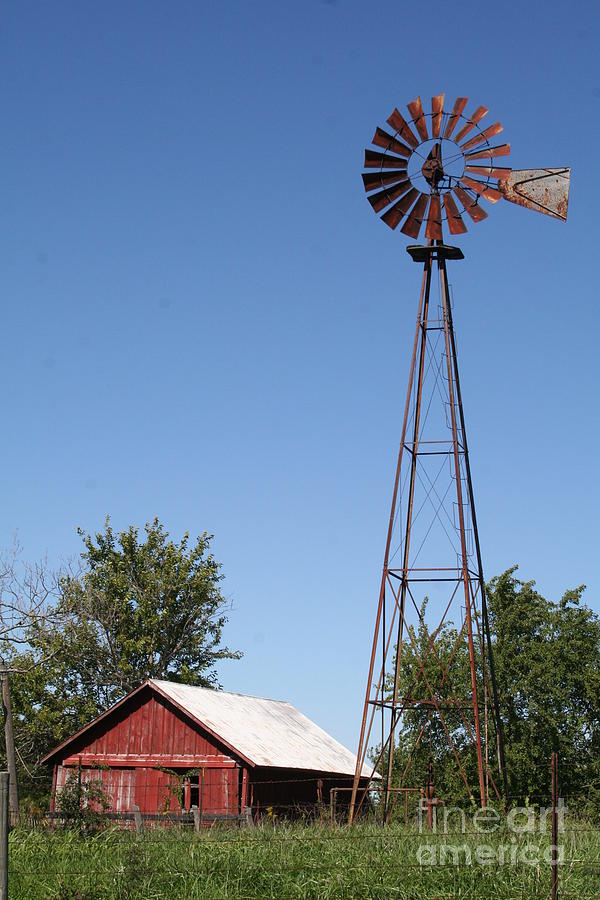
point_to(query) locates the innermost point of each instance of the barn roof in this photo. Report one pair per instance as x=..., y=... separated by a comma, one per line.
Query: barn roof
x=267, y=732
x=263, y=732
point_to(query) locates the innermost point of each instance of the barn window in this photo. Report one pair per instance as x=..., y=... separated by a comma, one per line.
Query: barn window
x=194, y=791
x=190, y=792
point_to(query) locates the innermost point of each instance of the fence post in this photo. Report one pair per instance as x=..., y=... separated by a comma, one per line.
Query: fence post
x=137, y=818
x=554, y=768
x=4, y=835
x=196, y=814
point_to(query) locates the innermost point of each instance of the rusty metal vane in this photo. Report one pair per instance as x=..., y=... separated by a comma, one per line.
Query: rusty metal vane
x=435, y=167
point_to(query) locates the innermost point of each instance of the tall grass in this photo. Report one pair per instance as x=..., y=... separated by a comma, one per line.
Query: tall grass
x=291, y=861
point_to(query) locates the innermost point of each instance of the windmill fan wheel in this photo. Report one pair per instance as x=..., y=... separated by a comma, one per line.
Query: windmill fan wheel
x=434, y=167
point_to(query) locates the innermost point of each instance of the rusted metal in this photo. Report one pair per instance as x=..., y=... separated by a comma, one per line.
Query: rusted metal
x=363, y=743
x=492, y=131
x=385, y=140
x=373, y=180
x=431, y=801
x=412, y=226
x=491, y=171
x=401, y=126
x=396, y=213
x=500, y=150
x=434, y=219
x=411, y=493
x=543, y=190
x=457, y=110
x=432, y=169
x=437, y=109
x=492, y=687
x=461, y=513
x=373, y=159
x=383, y=198
x=403, y=599
x=454, y=218
x=472, y=207
x=415, y=108
x=484, y=190
x=470, y=124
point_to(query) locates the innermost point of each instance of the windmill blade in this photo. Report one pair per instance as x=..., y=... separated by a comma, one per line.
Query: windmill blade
x=459, y=105
x=472, y=207
x=483, y=190
x=412, y=226
x=383, y=160
x=437, y=108
x=372, y=180
x=383, y=198
x=416, y=110
x=499, y=172
x=455, y=222
x=543, y=190
x=493, y=130
x=477, y=116
x=500, y=150
x=402, y=127
x=396, y=213
x=434, y=219
x=383, y=139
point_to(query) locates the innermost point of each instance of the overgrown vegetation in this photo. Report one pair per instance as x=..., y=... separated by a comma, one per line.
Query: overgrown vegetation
x=136, y=607
x=82, y=801
x=547, y=659
x=295, y=862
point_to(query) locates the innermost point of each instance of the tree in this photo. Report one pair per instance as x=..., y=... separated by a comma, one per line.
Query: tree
x=139, y=608
x=547, y=659
x=547, y=662
x=422, y=735
x=27, y=593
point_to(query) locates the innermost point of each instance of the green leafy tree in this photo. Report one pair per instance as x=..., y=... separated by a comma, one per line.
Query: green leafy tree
x=444, y=658
x=547, y=659
x=547, y=662
x=140, y=607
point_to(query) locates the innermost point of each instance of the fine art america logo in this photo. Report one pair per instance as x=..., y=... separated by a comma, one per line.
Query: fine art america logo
x=523, y=837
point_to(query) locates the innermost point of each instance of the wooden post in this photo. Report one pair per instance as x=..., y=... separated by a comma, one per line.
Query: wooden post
x=137, y=818
x=196, y=815
x=11, y=762
x=554, y=768
x=4, y=792
x=201, y=793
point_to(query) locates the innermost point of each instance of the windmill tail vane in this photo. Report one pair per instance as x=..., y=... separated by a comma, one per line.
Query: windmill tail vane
x=436, y=168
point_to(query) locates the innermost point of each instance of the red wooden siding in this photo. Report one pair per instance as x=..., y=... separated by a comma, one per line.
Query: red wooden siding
x=149, y=729
x=137, y=743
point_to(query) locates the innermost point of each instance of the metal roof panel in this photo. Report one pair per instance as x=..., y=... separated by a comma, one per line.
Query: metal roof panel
x=267, y=732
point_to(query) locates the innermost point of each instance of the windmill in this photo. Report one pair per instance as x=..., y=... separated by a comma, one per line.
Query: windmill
x=432, y=633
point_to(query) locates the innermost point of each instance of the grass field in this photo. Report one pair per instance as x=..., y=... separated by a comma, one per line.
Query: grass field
x=296, y=861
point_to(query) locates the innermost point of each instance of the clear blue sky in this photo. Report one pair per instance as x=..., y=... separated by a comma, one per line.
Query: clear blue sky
x=204, y=321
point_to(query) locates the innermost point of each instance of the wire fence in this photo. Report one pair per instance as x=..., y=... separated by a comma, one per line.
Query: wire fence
x=298, y=848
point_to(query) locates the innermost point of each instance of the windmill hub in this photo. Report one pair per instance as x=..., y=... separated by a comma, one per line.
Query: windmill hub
x=433, y=170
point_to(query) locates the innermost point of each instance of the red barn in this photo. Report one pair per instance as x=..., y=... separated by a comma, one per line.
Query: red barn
x=168, y=747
